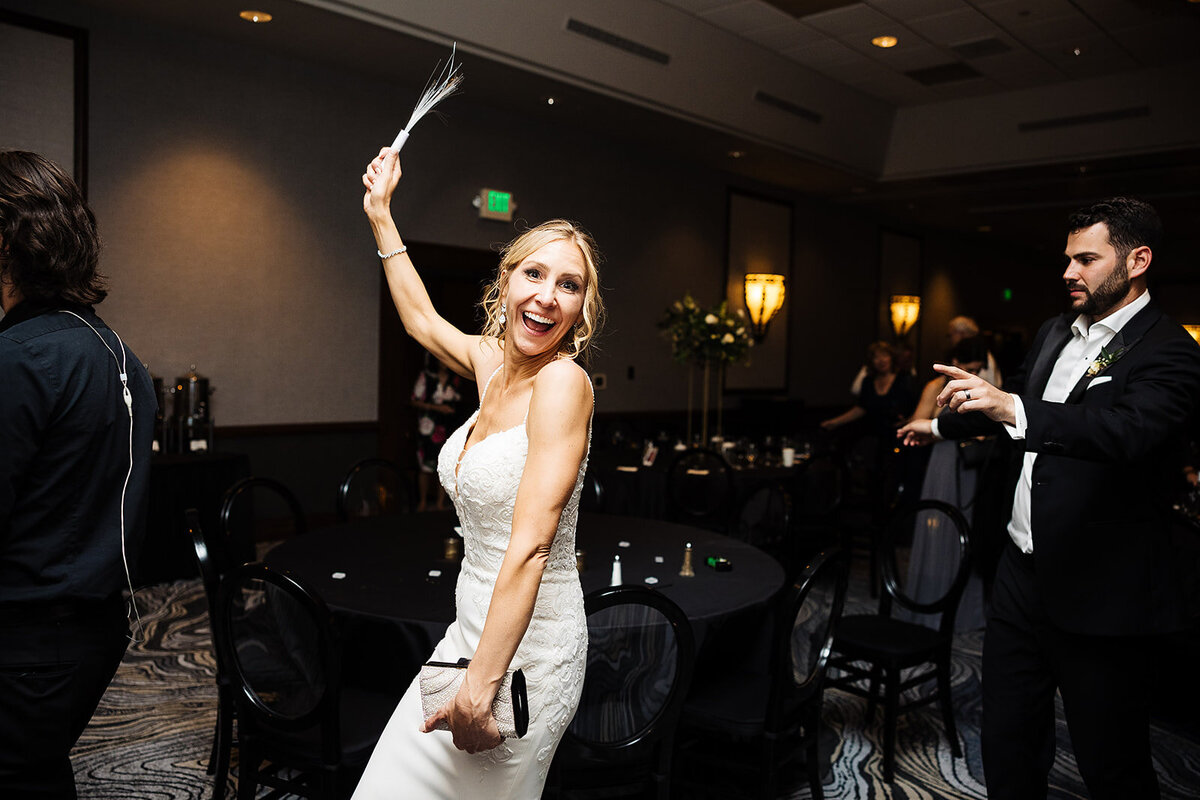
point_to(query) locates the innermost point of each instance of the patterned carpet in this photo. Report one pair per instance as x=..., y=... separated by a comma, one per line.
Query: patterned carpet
x=151, y=736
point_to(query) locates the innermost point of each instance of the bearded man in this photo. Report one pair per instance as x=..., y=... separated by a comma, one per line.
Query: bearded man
x=1103, y=406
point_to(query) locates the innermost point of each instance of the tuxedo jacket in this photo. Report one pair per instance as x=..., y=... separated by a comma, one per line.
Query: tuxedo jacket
x=1107, y=473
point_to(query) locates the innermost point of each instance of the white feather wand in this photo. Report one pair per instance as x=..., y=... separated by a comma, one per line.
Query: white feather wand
x=441, y=85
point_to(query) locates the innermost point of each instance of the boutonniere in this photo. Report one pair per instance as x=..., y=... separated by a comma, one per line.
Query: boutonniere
x=1105, y=360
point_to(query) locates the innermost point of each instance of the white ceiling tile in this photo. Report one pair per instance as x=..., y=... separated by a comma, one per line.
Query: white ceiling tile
x=749, y=15
x=855, y=20
x=1159, y=43
x=1019, y=69
x=906, y=56
x=905, y=10
x=1098, y=55
x=826, y=52
x=699, y=6
x=783, y=37
x=955, y=27
x=1058, y=29
x=1113, y=13
x=1010, y=14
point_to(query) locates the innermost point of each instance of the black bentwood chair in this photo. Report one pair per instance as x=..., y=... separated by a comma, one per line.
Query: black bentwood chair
x=212, y=561
x=700, y=489
x=373, y=487
x=887, y=645
x=278, y=639
x=639, y=666
x=237, y=513
x=763, y=716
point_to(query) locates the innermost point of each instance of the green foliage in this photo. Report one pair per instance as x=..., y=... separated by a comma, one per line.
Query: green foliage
x=701, y=334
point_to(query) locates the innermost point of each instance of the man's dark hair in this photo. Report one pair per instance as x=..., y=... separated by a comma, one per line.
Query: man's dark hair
x=49, y=248
x=1131, y=223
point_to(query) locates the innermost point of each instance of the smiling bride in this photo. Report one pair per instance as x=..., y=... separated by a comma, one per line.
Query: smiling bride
x=514, y=471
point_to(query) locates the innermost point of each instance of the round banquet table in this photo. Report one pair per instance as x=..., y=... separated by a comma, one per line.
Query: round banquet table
x=391, y=588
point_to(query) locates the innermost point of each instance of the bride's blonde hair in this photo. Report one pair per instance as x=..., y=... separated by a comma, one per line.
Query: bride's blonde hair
x=577, y=342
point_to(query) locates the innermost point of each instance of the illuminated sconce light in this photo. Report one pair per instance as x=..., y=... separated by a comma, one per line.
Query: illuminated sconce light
x=764, y=293
x=905, y=310
x=1194, y=330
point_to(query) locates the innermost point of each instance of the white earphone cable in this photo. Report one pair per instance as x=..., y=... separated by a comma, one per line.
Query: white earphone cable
x=136, y=618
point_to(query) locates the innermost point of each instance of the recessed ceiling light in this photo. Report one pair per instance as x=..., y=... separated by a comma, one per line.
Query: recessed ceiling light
x=885, y=41
x=1076, y=51
x=550, y=101
x=255, y=16
x=736, y=153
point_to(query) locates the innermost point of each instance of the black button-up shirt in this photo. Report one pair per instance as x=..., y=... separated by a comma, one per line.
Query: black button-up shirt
x=66, y=440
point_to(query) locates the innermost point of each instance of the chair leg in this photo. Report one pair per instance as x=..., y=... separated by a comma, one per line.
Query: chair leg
x=216, y=745
x=812, y=755
x=248, y=764
x=891, y=709
x=873, y=691
x=946, y=702
x=222, y=744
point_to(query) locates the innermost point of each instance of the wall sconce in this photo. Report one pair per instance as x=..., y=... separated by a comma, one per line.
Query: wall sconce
x=905, y=310
x=764, y=294
x=1194, y=330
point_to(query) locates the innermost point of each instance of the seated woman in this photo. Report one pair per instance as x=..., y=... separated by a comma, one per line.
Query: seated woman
x=934, y=558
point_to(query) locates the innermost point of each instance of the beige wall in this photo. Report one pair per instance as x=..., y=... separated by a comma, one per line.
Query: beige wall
x=226, y=181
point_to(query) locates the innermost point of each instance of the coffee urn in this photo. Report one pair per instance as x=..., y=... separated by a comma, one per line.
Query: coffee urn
x=193, y=417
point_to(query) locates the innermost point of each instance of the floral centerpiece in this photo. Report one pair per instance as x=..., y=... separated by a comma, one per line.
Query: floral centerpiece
x=701, y=335
x=705, y=336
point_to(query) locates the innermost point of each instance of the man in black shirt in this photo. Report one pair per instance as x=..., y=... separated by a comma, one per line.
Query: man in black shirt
x=76, y=422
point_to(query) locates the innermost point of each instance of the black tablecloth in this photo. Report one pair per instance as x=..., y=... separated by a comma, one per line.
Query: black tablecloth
x=380, y=577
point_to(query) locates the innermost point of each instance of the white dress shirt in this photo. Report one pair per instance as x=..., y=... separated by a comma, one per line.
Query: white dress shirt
x=1077, y=355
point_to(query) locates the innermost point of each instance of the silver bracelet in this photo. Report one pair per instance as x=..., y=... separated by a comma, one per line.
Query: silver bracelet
x=396, y=252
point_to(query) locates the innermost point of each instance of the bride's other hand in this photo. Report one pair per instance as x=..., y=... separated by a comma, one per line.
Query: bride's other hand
x=380, y=179
x=470, y=720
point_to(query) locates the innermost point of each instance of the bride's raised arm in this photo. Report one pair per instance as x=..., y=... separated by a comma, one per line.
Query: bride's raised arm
x=447, y=343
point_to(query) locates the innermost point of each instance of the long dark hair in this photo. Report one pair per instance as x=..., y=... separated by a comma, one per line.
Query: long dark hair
x=49, y=247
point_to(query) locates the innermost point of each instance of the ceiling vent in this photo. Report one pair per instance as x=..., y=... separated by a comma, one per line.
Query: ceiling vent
x=944, y=73
x=981, y=48
x=620, y=42
x=1084, y=119
x=803, y=113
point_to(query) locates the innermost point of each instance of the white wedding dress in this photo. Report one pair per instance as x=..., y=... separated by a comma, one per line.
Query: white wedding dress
x=409, y=764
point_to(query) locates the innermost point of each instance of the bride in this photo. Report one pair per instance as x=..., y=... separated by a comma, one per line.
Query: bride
x=514, y=471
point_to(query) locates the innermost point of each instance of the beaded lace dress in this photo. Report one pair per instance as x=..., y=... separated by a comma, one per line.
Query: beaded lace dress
x=409, y=764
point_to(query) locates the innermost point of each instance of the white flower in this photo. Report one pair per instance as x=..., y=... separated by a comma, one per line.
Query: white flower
x=711, y=319
x=727, y=339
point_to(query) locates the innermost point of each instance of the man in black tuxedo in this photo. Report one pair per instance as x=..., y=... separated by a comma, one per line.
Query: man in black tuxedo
x=1103, y=406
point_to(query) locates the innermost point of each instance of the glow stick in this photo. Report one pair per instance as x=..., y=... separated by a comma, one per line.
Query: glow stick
x=442, y=83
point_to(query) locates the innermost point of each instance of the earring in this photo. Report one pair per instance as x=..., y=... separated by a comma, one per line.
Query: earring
x=503, y=317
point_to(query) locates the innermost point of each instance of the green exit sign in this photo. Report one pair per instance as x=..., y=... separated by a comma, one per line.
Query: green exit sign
x=495, y=204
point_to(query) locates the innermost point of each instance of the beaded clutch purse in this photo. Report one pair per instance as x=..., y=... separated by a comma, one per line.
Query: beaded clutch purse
x=440, y=682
